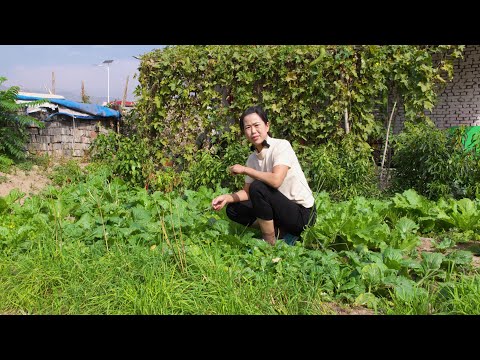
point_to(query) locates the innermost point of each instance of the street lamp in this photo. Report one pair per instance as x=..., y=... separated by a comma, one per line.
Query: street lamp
x=107, y=64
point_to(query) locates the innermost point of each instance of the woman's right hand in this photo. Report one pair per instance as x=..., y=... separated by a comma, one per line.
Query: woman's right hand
x=219, y=202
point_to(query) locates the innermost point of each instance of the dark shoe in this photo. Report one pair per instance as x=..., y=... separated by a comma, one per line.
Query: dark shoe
x=290, y=239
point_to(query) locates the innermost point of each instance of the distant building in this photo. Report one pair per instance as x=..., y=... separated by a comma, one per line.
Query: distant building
x=117, y=105
x=70, y=126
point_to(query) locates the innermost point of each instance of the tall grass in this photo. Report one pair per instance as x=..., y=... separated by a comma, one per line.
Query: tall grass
x=136, y=280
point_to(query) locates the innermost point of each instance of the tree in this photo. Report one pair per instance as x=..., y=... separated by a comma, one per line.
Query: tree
x=85, y=97
x=13, y=124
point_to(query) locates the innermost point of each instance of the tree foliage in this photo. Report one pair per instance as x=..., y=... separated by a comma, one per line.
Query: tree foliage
x=13, y=124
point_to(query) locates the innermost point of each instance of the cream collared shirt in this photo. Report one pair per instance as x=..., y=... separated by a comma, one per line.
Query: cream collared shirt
x=280, y=152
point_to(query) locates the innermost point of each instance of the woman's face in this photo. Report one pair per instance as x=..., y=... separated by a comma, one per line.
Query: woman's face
x=255, y=129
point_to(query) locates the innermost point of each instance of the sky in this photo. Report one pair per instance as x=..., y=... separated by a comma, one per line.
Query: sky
x=31, y=66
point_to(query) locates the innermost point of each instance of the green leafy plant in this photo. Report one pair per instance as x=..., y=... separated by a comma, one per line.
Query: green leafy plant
x=211, y=169
x=68, y=173
x=344, y=169
x=128, y=155
x=5, y=163
x=434, y=162
x=168, y=252
x=13, y=124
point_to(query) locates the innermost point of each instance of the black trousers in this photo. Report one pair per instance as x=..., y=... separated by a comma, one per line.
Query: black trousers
x=268, y=203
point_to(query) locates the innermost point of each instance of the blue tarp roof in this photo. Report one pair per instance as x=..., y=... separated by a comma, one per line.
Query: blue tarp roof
x=93, y=110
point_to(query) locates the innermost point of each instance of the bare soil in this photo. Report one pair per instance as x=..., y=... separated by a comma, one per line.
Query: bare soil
x=337, y=309
x=427, y=246
x=29, y=182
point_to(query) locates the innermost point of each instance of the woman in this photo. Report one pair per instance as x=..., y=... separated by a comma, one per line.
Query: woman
x=276, y=195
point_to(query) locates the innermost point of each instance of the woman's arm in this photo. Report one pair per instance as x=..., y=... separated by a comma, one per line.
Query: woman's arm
x=273, y=179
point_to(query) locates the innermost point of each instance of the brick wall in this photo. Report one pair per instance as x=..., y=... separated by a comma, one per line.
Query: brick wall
x=64, y=137
x=459, y=103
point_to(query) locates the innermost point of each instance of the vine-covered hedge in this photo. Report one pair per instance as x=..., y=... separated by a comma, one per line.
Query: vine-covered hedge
x=191, y=96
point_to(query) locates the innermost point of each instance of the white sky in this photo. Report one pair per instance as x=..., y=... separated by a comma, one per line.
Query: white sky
x=31, y=66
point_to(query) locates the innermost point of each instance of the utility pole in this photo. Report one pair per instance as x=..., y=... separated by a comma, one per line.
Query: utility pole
x=107, y=63
x=125, y=94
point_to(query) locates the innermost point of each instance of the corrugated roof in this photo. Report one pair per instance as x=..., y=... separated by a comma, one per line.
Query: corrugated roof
x=81, y=110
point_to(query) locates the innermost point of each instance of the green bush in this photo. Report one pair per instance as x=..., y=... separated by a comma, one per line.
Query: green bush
x=128, y=156
x=5, y=163
x=212, y=169
x=434, y=162
x=192, y=91
x=67, y=173
x=344, y=169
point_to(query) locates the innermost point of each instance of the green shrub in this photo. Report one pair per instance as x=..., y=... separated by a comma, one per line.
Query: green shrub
x=212, y=169
x=5, y=163
x=434, y=162
x=44, y=161
x=345, y=169
x=166, y=179
x=128, y=156
x=67, y=173
x=189, y=94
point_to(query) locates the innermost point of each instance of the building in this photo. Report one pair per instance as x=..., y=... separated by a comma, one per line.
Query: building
x=70, y=127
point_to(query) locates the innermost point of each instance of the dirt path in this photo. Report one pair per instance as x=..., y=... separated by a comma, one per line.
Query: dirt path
x=29, y=182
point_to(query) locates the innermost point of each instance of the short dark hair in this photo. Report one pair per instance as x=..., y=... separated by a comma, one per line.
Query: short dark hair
x=257, y=109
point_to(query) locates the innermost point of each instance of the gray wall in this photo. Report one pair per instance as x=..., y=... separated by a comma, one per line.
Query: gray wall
x=459, y=103
x=60, y=138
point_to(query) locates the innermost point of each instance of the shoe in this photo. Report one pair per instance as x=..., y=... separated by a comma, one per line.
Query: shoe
x=290, y=239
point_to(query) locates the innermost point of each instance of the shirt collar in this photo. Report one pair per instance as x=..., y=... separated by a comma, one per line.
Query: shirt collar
x=261, y=155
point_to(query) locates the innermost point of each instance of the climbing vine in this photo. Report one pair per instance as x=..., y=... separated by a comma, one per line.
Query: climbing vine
x=191, y=96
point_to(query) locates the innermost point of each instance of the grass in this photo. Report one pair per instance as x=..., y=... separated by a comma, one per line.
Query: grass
x=137, y=280
x=101, y=247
